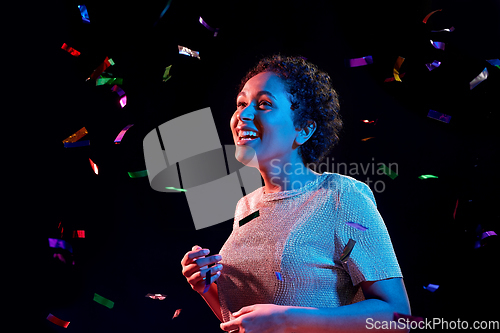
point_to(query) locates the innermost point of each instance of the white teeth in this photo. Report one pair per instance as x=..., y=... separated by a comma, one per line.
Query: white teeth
x=247, y=133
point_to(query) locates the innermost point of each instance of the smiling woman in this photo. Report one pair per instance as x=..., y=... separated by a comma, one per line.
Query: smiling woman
x=300, y=264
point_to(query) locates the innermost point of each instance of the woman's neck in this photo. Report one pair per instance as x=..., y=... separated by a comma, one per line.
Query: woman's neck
x=286, y=176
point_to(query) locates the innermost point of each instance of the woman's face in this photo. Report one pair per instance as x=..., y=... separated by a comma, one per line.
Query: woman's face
x=263, y=107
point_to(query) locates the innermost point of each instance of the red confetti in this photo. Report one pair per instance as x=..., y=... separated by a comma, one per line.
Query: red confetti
x=78, y=233
x=57, y=321
x=94, y=167
x=428, y=15
x=177, y=313
x=102, y=67
x=70, y=50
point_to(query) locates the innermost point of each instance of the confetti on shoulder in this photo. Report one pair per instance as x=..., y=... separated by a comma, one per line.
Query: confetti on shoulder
x=278, y=276
x=249, y=218
x=356, y=225
x=184, y=50
x=347, y=250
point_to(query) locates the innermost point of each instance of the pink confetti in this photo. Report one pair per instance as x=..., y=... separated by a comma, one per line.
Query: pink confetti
x=360, y=61
x=177, y=313
x=161, y=297
x=122, y=133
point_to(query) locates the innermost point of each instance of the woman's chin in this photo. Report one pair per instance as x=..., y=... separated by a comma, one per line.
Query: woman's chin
x=247, y=156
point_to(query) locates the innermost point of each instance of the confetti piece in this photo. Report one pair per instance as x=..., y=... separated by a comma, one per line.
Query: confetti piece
x=122, y=133
x=480, y=78
x=70, y=50
x=207, y=281
x=108, y=80
x=163, y=11
x=388, y=171
x=488, y=234
x=278, y=276
x=78, y=233
x=439, y=116
x=249, y=218
x=397, y=66
x=214, y=30
x=57, y=321
x=77, y=144
x=138, y=174
x=75, y=137
x=494, y=62
x=433, y=65
x=356, y=225
x=437, y=45
x=177, y=313
x=101, y=68
x=428, y=15
x=94, y=167
x=104, y=301
x=426, y=177
x=455, y=211
x=60, y=244
x=355, y=62
x=189, y=52
x=444, y=30
x=389, y=79
x=61, y=257
x=177, y=189
x=84, y=13
x=120, y=92
x=366, y=139
x=366, y=121
x=123, y=101
x=347, y=250
x=398, y=315
x=166, y=74
x=432, y=287
x=161, y=297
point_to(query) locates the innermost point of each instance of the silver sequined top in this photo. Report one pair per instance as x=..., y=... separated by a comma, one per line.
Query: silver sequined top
x=301, y=235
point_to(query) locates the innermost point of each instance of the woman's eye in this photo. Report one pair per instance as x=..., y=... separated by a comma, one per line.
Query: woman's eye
x=240, y=104
x=265, y=103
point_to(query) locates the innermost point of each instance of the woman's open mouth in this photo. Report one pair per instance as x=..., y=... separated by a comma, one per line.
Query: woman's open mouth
x=245, y=137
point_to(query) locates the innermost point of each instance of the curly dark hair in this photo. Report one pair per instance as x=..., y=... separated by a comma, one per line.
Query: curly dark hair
x=313, y=98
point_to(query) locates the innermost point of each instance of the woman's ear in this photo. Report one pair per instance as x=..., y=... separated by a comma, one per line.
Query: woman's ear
x=306, y=132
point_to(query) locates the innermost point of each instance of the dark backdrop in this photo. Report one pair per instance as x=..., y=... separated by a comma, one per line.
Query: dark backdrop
x=136, y=237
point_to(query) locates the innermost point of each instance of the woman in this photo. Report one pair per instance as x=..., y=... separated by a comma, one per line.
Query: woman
x=288, y=269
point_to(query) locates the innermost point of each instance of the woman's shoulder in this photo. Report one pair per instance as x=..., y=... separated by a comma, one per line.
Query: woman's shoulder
x=347, y=186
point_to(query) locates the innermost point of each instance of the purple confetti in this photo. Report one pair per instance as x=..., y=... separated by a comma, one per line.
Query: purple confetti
x=432, y=287
x=278, y=276
x=205, y=24
x=438, y=45
x=488, y=234
x=122, y=133
x=356, y=225
x=59, y=243
x=439, y=116
x=434, y=64
x=360, y=61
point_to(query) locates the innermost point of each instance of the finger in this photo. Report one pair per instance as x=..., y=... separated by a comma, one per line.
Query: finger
x=200, y=275
x=190, y=256
x=196, y=247
x=243, y=310
x=208, y=260
x=229, y=325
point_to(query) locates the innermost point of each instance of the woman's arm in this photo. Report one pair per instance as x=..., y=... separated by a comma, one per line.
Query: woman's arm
x=383, y=298
x=212, y=299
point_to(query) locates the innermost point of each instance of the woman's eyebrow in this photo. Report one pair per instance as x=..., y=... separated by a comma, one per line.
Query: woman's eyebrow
x=260, y=93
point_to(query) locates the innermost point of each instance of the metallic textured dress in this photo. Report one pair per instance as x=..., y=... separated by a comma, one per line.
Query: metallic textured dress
x=301, y=235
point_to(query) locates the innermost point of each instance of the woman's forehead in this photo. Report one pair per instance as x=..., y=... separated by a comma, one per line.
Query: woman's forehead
x=265, y=81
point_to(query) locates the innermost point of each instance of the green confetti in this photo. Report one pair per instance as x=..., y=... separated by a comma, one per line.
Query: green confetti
x=138, y=174
x=166, y=75
x=111, y=62
x=109, y=80
x=104, y=301
x=177, y=189
x=388, y=171
x=427, y=177
x=249, y=218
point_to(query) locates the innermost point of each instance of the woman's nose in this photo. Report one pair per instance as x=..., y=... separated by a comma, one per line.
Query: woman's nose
x=246, y=113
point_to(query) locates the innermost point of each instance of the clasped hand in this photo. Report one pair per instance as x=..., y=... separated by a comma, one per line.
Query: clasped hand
x=258, y=318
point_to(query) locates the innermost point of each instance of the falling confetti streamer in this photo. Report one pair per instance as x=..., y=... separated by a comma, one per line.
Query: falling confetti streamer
x=249, y=218
x=356, y=62
x=433, y=65
x=397, y=67
x=438, y=45
x=439, y=116
x=78, y=233
x=121, y=93
x=205, y=24
x=389, y=79
x=431, y=287
x=427, y=177
x=107, y=79
x=176, y=189
x=444, y=30
x=480, y=78
x=347, y=250
x=163, y=11
x=101, y=68
x=138, y=174
x=70, y=50
x=84, y=13
x=160, y=297
x=429, y=15
x=356, y=225
x=366, y=139
x=60, y=244
x=103, y=301
x=184, y=50
x=494, y=62
x=122, y=133
x=94, y=167
x=76, y=136
x=57, y=321
x=166, y=74
x=388, y=171
x=177, y=313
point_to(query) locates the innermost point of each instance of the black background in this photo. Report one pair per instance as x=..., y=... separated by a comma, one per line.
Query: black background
x=136, y=237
